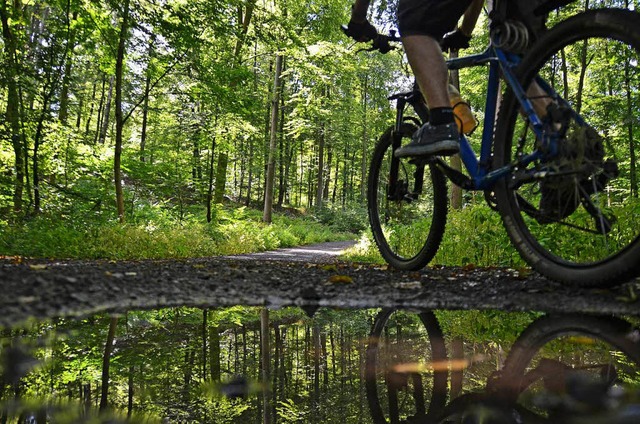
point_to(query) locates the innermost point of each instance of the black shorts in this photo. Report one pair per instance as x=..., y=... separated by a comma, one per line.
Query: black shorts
x=429, y=17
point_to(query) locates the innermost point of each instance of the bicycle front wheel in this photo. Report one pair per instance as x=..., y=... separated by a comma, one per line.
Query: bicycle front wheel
x=406, y=367
x=407, y=204
x=574, y=215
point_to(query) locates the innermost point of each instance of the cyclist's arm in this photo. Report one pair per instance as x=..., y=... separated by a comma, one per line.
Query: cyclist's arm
x=359, y=11
x=471, y=17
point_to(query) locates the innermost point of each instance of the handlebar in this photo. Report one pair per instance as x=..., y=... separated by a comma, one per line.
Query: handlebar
x=380, y=43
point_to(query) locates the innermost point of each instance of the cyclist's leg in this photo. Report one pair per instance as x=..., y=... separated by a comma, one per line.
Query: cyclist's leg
x=422, y=24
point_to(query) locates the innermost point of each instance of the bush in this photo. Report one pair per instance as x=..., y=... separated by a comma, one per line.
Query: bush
x=351, y=219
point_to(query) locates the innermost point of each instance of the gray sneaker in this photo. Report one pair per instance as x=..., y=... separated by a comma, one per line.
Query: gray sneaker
x=442, y=139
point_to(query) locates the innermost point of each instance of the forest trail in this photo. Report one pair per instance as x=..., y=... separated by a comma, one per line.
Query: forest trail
x=48, y=289
x=316, y=253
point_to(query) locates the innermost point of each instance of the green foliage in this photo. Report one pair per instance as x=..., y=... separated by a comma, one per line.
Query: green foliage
x=157, y=234
x=474, y=235
x=351, y=218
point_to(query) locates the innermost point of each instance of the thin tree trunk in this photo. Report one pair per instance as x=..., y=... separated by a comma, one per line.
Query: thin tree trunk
x=214, y=353
x=106, y=113
x=12, y=115
x=205, y=324
x=117, y=171
x=221, y=176
x=317, y=357
x=268, y=198
x=145, y=104
x=106, y=361
x=64, y=92
x=130, y=392
x=265, y=355
x=210, y=188
x=365, y=135
x=583, y=69
x=320, y=175
x=633, y=177
x=36, y=147
x=455, y=162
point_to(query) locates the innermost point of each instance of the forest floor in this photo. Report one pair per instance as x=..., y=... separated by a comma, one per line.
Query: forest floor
x=309, y=277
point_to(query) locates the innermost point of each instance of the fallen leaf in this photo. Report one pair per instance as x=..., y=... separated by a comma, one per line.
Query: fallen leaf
x=329, y=268
x=38, y=267
x=340, y=279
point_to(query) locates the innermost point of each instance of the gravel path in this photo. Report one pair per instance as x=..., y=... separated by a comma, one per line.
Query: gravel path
x=35, y=288
x=317, y=253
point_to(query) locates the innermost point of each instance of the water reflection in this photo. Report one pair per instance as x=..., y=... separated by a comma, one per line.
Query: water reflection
x=250, y=365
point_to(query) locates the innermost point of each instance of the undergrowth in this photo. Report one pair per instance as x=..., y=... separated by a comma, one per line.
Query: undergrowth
x=473, y=236
x=157, y=236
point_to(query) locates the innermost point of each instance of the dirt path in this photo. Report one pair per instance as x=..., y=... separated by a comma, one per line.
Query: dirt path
x=316, y=253
x=79, y=288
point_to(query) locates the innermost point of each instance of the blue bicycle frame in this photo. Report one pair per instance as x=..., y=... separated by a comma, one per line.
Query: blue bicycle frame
x=501, y=63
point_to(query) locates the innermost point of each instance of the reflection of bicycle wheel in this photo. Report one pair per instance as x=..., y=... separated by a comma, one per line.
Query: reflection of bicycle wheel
x=407, y=203
x=556, y=357
x=406, y=367
x=573, y=214
x=557, y=354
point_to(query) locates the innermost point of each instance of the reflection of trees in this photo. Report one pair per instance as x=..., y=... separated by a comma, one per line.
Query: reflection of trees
x=190, y=365
x=176, y=363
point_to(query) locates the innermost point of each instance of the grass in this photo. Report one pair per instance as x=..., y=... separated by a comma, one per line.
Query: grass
x=473, y=235
x=233, y=231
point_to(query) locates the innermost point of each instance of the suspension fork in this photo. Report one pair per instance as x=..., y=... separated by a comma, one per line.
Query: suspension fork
x=396, y=141
x=394, y=191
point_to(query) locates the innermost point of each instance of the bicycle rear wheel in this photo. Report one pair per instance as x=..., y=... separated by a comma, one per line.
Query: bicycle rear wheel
x=609, y=340
x=575, y=217
x=407, y=204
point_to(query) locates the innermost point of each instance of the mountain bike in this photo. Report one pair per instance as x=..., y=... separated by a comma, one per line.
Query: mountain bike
x=557, y=156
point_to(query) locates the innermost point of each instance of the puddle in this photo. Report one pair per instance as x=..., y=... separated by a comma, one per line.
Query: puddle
x=189, y=365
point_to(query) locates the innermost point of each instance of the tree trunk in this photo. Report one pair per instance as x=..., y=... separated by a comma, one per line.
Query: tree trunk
x=130, y=392
x=633, y=177
x=210, y=188
x=117, y=171
x=106, y=113
x=365, y=135
x=584, y=62
x=205, y=324
x=12, y=115
x=265, y=355
x=66, y=79
x=221, y=176
x=106, y=361
x=317, y=358
x=214, y=353
x=268, y=197
x=145, y=103
x=320, y=175
x=36, y=147
x=455, y=161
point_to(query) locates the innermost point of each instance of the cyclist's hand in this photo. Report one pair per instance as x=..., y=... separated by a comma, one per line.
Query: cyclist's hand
x=454, y=41
x=361, y=31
